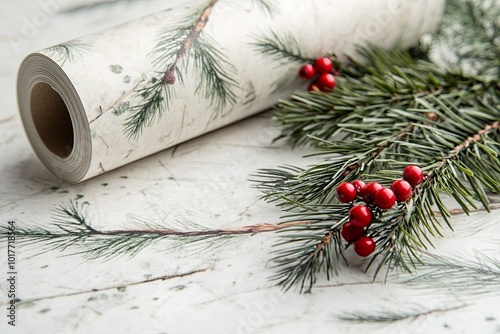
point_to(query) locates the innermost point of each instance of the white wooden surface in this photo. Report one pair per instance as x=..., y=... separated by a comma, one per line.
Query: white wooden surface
x=225, y=290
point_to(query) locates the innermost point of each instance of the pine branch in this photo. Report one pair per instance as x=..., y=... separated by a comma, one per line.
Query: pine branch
x=396, y=235
x=396, y=81
x=74, y=230
x=472, y=275
x=153, y=97
x=391, y=316
x=172, y=53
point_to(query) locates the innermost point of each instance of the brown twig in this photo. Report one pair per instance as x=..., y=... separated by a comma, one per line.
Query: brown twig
x=250, y=229
x=193, y=35
x=477, y=137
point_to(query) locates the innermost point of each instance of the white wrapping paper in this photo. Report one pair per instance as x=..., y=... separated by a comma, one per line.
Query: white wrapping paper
x=104, y=100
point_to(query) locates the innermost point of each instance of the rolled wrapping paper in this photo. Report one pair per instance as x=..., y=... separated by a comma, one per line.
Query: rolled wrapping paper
x=104, y=100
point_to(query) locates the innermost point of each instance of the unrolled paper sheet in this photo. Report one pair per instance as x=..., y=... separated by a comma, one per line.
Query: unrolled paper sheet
x=104, y=100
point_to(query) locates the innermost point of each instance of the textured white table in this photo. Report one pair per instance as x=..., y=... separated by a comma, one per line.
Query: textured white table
x=179, y=288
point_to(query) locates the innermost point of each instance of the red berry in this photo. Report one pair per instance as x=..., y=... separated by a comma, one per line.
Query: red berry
x=360, y=216
x=413, y=175
x=370, y=190
x=313, y=87
x=364, y=246
x=359, y=185
x=385, y=198
x=323, y=65
x=402, y=190
x=351, y=232
x=346, y=192
x=307, y=71
x=326, y=82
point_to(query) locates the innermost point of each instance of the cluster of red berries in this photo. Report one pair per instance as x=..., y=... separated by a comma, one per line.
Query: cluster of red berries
x=376, y=198
x=322, y=68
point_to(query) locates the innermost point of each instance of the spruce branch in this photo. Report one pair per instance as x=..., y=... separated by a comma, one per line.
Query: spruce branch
x=75, y=231
x=396, y=81
x=400, y=111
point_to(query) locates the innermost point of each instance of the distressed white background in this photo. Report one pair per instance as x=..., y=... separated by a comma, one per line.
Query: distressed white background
x=203, y=181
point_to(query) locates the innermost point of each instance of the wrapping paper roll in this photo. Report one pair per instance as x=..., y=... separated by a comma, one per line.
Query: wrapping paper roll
x=104, y=100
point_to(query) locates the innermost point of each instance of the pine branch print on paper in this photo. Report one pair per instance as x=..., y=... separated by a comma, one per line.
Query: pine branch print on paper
x=74, y=234
x=267, y=6
x=401, y=111
x=283, y=49
x=476, y=22
x=68, y=52
x=176, y=51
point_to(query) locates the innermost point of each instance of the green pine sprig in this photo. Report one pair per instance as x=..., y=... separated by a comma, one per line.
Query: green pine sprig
x=387, y=317
x=267, y=6
x=69, y=51
x=74, y=235
x=401, y=111
x=474, y=275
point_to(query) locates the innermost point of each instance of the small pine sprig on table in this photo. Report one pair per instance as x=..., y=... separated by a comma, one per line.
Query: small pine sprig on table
x=388, y=111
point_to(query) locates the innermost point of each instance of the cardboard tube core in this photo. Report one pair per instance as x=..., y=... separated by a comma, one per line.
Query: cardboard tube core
x=51, y=119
